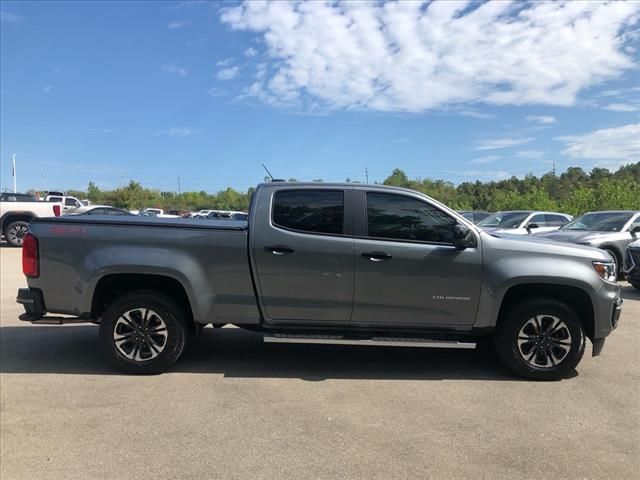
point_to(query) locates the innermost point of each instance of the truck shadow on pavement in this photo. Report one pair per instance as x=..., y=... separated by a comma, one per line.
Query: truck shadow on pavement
x=232, y=352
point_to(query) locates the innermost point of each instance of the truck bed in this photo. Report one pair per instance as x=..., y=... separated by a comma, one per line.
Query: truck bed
x=209, y=259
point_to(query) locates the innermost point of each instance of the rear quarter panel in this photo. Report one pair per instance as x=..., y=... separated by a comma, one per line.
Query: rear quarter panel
x=210, y=264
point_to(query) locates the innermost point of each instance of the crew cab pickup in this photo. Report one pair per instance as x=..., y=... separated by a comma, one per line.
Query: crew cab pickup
x=17, y=210
x=322, y=263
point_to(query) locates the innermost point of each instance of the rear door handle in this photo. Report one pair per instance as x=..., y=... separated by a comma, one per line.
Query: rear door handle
x=279, y=250
x=377, y=256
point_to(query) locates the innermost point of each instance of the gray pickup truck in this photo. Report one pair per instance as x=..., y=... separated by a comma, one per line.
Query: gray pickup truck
x=322, y=263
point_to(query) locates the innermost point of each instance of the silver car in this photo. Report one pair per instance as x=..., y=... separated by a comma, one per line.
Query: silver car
x=524, y=222
x=611, y=231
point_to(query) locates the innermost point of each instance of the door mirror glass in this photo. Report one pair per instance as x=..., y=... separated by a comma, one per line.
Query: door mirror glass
x=463, y=237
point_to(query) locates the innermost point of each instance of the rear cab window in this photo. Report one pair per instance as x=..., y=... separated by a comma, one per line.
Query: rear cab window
x=318, y=211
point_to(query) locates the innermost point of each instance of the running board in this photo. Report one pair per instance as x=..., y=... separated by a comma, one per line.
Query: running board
x=373, y=341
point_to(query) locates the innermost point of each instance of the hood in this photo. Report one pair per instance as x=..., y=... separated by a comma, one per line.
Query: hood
x=540, y=244
x=574, y=236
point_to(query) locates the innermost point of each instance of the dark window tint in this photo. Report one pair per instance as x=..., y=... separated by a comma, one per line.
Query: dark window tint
x=70, y=202
x=96, y=211
x=320, y=211
x=405, y=218
x=555, y=220
x=538, y=220
x=18, y=197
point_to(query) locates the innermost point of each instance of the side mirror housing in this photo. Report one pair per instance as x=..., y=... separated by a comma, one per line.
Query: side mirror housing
x=463, y=237
x=635, y=230
x=531, y=226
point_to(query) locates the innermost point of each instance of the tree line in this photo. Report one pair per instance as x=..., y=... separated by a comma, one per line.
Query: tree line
x=574, y=191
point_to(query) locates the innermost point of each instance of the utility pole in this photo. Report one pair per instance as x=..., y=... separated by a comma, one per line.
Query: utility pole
x=179, y=189
x=366, y=174
x=554, y=168
x=13, y=172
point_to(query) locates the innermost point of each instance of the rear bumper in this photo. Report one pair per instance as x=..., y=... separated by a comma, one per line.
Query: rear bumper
x=33, y=302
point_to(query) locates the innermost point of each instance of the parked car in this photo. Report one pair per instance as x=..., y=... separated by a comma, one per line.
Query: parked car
x=632, y=270
x=474, y=216
x=158, y=212
x=611, y=231
x=68, y=203
x=330, y=263
x=17, y=210
x=225, y=215
x=524, y=222
x=98, y=210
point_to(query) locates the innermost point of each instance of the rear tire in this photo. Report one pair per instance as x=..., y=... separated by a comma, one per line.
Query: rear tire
x=143, y=333
x=540, y=339
x=15, y=232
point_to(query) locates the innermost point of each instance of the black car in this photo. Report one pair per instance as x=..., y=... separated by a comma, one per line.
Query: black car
x=632, y=263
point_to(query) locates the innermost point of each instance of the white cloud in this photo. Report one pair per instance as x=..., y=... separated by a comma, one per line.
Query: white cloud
x=250, y=52
x=495, y=143
x=175, y=69
x=621, y=107
x=529, y=154
x=47, y=88
x=488, y=174
x=416, y=56
x=6, y=17
x=177, y=24
x=476, y=114
x=228, y=73
x=486, y=159
x=224, y=63
x=216, y=92
x=619, y=143
x=177, y=132
x=541, y=119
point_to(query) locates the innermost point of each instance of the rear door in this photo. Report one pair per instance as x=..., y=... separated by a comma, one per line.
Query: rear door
x=407, y=270
x=302, y=250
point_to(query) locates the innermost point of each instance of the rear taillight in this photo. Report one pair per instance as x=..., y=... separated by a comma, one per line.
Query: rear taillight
x=56, y=210
x=30, y=260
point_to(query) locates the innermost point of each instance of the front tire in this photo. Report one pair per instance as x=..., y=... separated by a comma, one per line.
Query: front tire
x=143, y=333
x=15, y=232
x=540, y=339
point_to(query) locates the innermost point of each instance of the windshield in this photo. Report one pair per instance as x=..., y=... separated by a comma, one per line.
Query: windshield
x=599, y=222
x=504, y=219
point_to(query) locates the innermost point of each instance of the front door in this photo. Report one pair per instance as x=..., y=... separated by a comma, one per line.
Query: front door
x=407, y=270
x=303, y=253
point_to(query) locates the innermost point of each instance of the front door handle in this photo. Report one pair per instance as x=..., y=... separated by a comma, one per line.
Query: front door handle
x=279, y=250
x=377, y=256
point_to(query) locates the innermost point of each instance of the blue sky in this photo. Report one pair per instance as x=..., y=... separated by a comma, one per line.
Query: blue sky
x=112, y=91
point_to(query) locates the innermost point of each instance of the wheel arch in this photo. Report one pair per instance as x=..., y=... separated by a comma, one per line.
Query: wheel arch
x=574, y=297
x=11, y=217
x=114, y=285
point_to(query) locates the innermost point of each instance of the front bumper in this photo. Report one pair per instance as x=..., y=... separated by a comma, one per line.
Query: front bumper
x=616, y=311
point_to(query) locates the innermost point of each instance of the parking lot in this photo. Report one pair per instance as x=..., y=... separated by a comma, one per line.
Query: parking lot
x=234, y=407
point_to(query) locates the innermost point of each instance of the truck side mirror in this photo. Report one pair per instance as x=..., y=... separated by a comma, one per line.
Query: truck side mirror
x=531, y=226
x=635, y=230
x=463, y=237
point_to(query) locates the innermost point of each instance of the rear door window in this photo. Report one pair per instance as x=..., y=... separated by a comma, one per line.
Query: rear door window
x=314, y=211
x=539, y=220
